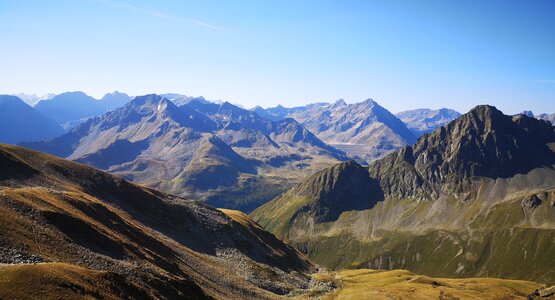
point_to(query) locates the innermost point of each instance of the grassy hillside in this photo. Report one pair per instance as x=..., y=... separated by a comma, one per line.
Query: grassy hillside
x=109, y=237
x=401, y=284
x=64, y=281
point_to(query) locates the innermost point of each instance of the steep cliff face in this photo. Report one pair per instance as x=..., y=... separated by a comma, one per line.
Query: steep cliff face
x=442, y=207
x=483, y=143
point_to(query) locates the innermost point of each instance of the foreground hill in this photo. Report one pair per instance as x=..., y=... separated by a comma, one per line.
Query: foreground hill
x=19, y=122
x=365, y=130
x=99, y=235
x=217, y=153
x=473, y=198
x=425, y=120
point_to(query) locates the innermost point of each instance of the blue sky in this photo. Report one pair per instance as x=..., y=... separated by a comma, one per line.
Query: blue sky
x=403, y=54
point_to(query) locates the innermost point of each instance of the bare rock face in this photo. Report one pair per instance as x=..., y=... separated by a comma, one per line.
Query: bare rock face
x=482, y=143
x=542, y=293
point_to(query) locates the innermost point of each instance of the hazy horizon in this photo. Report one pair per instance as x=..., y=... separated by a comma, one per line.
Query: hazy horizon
x=403, y=54
x=290, y=106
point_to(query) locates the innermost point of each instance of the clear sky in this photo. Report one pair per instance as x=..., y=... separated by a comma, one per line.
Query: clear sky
x=403, y=54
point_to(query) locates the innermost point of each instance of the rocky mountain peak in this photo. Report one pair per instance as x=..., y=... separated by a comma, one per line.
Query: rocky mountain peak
x=482, y=143
x=370, y=102
x=481, y=119
x=339, y=103
x=528, y=113
x=148, y=100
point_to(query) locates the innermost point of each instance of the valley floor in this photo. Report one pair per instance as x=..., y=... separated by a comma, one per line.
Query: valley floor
x=402, y=284
x=63, y=281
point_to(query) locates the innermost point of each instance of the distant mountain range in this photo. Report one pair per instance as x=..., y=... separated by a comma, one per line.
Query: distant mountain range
x=219, y=153
x=350, y=185
x=424, y=120
x=475, y=197
x=547, y=117
x=72, y=108
x=33, y=99
x=364, y=130
x=19, y=122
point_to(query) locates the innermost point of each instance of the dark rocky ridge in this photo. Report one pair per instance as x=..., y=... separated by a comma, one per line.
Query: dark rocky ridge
x=482, y=143
x=343, y=187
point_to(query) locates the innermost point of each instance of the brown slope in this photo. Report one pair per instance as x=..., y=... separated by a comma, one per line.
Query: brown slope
x=54, y=210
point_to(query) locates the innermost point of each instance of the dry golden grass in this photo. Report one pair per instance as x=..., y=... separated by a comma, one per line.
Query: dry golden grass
x=401, y=284
x=61, y=281
x=238, y=216
x=100, y=229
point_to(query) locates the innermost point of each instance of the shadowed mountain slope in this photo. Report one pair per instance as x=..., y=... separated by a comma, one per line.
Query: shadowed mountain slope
x=19, y=122
x=473, y=198
x=70, y=106
x=89, y=226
